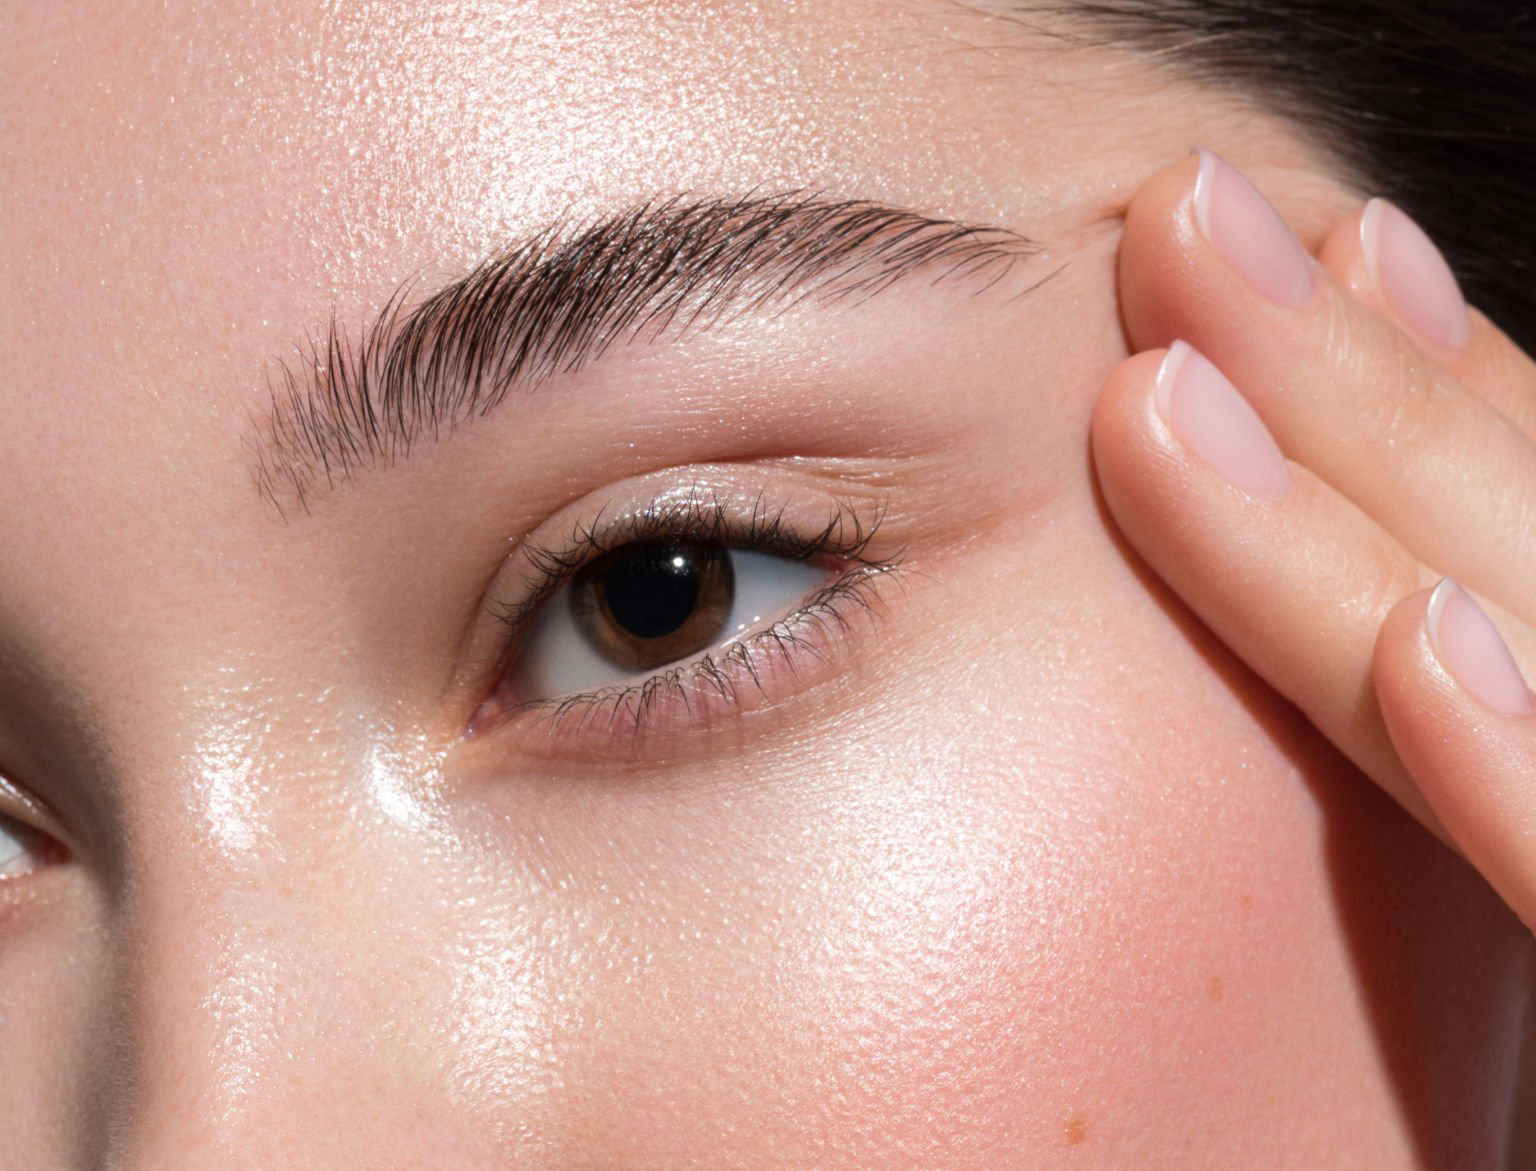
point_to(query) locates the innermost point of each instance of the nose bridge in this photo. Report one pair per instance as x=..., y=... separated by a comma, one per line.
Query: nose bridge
x=218, y=976
x=315, y=965
x=254, y=982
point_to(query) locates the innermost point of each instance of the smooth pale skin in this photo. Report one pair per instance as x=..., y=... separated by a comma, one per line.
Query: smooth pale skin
x=1044, y=875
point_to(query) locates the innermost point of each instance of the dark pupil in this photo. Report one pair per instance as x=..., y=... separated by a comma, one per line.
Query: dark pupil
x=652, y=590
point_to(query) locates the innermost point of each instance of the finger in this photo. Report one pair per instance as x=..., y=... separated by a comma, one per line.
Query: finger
x=1342, y=389
x=1288, y=572
x=1463, y=722
x=1389, y=264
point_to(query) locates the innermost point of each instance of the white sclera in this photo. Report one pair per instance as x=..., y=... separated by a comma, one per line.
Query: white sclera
x=556, y=659
x=13, y=847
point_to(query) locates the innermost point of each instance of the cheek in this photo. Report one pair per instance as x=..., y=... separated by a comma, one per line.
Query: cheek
x=1096, y=889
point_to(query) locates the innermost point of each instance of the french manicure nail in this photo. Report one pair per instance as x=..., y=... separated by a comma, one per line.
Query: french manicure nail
x=1469, y=646
x=1412, y=275
x=1207, y=413
x=1250, y=234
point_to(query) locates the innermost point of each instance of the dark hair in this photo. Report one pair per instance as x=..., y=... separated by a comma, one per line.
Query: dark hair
x=1432, y=105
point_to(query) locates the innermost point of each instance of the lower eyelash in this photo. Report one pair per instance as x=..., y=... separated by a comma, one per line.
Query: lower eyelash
x=712, y=685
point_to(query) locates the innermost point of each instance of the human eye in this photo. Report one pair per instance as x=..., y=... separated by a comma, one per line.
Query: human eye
x=25, y=848
x=674, y=615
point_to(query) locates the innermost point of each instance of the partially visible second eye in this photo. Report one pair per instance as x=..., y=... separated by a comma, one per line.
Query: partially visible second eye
x=650, y=604
x=23, y=849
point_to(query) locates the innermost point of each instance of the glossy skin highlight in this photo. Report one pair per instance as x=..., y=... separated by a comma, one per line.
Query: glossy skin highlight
x=1040, y=875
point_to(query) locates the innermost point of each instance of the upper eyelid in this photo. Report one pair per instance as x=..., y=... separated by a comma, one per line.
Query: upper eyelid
x=30, y=807
x=846, y=534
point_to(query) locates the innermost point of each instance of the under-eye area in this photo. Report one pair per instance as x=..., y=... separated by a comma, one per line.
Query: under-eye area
x=653, y=621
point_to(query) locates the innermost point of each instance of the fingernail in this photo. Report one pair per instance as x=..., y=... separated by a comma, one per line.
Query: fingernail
x=1218, y=424
x=1468, y=644
x=1412, y=275
x=1249, y=233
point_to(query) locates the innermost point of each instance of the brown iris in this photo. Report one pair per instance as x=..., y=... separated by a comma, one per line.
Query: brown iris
x=651, y=603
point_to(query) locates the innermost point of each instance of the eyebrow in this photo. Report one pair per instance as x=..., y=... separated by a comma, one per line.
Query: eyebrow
x=563, y=297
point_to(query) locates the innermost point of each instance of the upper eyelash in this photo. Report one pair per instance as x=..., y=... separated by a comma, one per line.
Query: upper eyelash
x=693, y=518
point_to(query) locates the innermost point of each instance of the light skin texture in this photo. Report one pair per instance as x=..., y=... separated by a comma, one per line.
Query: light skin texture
x=1030, y=868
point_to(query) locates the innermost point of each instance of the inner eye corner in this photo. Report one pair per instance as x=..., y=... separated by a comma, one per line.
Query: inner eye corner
x=18, y=840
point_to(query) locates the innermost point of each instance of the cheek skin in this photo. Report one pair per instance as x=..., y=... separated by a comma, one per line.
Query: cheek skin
x=1069, y=911
x=1057, y=914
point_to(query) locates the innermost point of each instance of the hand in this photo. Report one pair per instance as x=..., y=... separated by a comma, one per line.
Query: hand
x=1379, y=437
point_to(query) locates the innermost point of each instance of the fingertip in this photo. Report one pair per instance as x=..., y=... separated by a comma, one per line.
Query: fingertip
x=1343, y=256
x=1156, y=250
x=1128, y=398
x=1411, y=698
x=1209, y=255
x=1470, y=764
x=1403, y=655
x=1390, y=264
x=1123, y=433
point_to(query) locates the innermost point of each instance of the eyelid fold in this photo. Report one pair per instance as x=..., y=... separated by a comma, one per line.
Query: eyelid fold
x=19, y=804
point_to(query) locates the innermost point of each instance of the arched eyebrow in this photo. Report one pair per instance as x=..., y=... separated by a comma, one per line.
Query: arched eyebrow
x=560, y=299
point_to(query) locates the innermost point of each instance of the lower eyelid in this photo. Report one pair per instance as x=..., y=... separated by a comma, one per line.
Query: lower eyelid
x=760, y=670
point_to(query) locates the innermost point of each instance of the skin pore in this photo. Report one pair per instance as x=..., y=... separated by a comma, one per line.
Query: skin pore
x=1014, y=865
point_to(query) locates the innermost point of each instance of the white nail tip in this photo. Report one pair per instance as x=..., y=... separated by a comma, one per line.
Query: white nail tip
x=1432, y=613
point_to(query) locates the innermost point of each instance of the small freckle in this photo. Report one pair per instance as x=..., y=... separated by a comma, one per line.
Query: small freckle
x=1215, y=990
x=1076, y=1129
x=1246, y=902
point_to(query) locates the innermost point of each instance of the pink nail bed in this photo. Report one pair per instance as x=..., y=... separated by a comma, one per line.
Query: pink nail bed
x=1250, y=234
x=1412, y=275
x=1469, y=645
x=1206, y=411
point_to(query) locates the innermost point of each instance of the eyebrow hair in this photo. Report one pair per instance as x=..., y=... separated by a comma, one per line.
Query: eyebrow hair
x=560, y=299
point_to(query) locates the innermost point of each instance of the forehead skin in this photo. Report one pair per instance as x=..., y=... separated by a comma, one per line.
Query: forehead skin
x=1056, y=881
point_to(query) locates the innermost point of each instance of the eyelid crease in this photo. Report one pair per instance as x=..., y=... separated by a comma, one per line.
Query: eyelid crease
x=564, y=297
x=13, y=795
